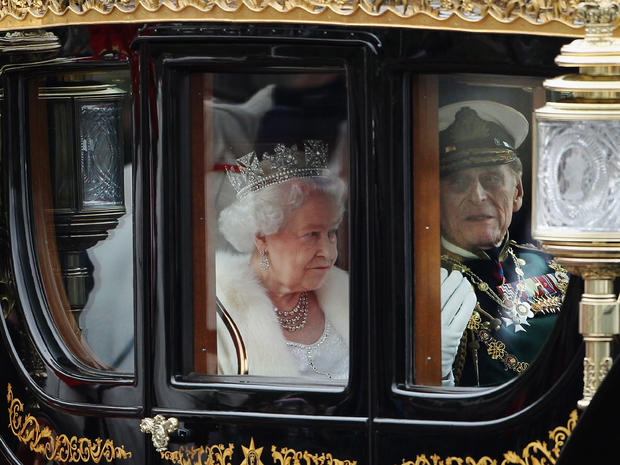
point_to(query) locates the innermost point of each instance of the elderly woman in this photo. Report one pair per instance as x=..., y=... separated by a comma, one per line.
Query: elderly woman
x=289, y=302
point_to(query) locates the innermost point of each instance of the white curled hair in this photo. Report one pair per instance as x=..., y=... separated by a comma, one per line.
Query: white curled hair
x=265, y=211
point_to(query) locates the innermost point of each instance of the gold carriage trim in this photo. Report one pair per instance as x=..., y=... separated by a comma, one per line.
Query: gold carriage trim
x=222, y=455
x=534, y=452
x=286, y=456
x=60, y=448
x=546, y=17
x=212, y=455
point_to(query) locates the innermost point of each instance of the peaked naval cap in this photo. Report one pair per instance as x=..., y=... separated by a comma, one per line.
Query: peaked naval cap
x=479, y=133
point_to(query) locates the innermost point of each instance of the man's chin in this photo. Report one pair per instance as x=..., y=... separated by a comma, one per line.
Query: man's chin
x=489, y=244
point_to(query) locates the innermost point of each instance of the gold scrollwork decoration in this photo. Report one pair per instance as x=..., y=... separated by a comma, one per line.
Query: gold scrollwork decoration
x=535, y=12
x=535, y=452
x=286, y=456
x=60, y=448
x=204, y=455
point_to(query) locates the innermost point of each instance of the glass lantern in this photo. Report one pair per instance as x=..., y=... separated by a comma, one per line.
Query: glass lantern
x=576, y=213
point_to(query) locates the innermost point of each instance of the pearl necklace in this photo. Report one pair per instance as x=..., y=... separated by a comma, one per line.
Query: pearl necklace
x=295, y=318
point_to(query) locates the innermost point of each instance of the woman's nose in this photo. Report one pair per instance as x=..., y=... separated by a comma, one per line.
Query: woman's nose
x=327, y=246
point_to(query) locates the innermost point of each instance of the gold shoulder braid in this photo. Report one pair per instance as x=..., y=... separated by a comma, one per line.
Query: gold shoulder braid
x=513, y=310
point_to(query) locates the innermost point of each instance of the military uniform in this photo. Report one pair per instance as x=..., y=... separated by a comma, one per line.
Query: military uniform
x=519, y=289
x=501, y=340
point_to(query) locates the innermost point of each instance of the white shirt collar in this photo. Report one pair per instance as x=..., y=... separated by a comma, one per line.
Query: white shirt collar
x=450, y=247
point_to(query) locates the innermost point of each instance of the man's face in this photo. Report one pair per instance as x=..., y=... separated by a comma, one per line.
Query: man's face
x=477, y=205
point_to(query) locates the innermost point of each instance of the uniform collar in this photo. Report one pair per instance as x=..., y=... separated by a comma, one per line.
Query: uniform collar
x=481, y=254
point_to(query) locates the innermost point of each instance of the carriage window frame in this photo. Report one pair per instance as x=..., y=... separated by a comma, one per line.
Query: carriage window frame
x=53, y=350
x=424, y=346
x=172, y=71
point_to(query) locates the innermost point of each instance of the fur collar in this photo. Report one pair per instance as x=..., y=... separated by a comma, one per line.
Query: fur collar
x=246, y=301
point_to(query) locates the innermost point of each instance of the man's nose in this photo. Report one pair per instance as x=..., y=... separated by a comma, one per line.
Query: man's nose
x=477, y=192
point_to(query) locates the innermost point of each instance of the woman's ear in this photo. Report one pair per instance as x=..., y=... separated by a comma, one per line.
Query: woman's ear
x=260, y=242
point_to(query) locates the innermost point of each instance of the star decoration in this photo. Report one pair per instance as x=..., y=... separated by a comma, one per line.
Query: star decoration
x=252, y=454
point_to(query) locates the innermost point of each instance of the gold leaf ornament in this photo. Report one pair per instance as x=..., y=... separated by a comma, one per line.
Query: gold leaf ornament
x=61, y=448
x=534, y=453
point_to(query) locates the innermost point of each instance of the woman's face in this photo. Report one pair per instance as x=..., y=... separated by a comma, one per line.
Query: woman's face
x=304, y=249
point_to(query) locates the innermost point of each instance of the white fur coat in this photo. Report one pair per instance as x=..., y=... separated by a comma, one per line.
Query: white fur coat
x=246, y=301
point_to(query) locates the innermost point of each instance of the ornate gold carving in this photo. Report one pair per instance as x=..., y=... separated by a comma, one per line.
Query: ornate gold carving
x=534, y=12
x=251, y=455
x=589, y=378
x=221, y=455
x=593, y=270
x=606, y=364
x=597, y=12
x=29, y=41
x=159, y=428
x=286, y=456
x=535, y=452
x=203, y=455
x=59, y=448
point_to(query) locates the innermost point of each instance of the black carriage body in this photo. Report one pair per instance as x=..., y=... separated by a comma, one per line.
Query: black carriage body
x=380, y=417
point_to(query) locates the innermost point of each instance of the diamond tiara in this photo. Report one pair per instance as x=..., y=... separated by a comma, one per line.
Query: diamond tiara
x=251, y=174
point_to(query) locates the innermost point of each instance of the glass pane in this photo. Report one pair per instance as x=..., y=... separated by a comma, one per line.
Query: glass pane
x=499, y=293
x=81, y=188
x=270, y=230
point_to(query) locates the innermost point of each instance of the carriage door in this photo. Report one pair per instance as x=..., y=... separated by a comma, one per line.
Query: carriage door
x=73, y=375
x=222, y=382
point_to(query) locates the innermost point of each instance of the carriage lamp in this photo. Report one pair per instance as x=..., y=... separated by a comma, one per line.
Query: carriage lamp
x=576, y=212
x=87, y=153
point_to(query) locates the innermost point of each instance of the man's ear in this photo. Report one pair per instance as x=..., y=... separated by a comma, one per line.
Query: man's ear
x=518, y=199
x=260, y=242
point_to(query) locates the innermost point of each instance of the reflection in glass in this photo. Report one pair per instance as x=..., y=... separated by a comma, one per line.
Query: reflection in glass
x=100, y=154
x=81, y=171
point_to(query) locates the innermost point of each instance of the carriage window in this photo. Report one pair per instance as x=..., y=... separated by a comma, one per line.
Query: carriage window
x=269, y=230
x=82, y=198
x=499, y=294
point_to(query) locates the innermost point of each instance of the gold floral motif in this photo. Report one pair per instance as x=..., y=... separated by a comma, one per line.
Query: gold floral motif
x=475, y=321
x=60, y=447
x=496, y=349
x=203, y=455
x=535, y=452
x=286, y=456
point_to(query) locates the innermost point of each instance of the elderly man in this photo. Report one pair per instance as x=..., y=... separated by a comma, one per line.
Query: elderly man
x=491, y=335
